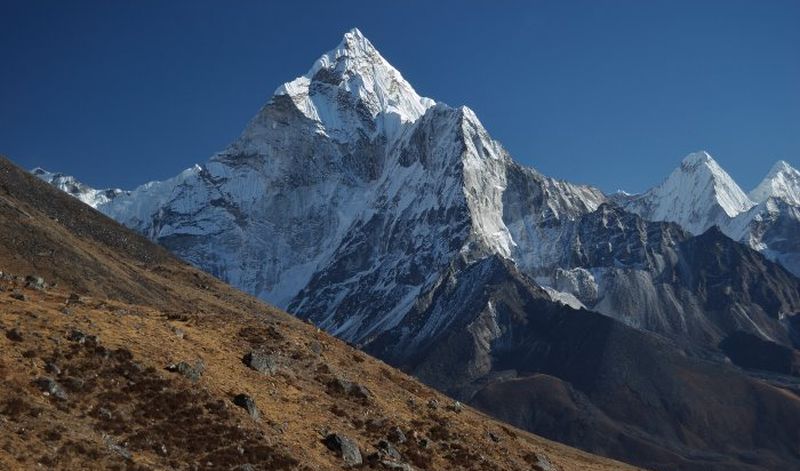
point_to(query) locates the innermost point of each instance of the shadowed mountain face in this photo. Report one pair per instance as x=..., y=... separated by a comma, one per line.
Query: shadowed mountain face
x=122, y=357
x=654, y=276
x=491, y=337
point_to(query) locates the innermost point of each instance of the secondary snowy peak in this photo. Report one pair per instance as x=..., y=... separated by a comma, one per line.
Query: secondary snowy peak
x=73, y=187
x=782, y=182
x=702, y=169
x=357, y=69
x=697, y=195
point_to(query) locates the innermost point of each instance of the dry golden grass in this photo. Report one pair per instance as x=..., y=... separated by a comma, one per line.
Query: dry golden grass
x=297, y=408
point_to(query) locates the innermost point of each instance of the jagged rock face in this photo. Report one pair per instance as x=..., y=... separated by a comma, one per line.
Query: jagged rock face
x=536, y=210
x=656, y=277
x=417, y=218
x=772, y=227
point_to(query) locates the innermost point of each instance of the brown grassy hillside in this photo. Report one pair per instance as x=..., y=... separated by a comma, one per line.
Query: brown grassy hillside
x=85, y=384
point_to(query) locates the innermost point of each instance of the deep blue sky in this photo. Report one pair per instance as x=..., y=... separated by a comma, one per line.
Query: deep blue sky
x=612, y=93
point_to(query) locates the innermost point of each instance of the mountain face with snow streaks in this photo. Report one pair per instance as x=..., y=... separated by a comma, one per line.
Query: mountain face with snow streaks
x=348, y=194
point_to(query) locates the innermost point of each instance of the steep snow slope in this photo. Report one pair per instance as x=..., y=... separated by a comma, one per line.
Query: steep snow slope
x=782, y=182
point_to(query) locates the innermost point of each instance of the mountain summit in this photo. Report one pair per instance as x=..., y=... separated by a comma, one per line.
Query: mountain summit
x=697, y=195
x=353, y=82
x=782, y=182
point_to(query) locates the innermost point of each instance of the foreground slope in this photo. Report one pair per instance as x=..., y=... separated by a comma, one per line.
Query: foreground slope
x=84, y=383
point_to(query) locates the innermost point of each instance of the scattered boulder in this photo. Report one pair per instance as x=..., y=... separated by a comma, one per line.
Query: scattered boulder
x=396, y=436
x=73, y=384
x=52, y=368
x=493, y=437
x=14, y=335
x=247, y=402
x=262, y=362
x=74, y=298
x=35, y=282
x=77, y=336
x=18, y=296
x=51, y=388
x=388, y=450
x=340, y=386
x=193, y=373
x=394, y=465
x=359, y=391
x=375, y=424
x=316, y=347
x=540, y=462
x=456, y=407
x=345, y=447
x=118, y=449
x=433, y=404
x=180, y=333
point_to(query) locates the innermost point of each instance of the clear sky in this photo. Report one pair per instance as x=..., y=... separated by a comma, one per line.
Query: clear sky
x=612, y=93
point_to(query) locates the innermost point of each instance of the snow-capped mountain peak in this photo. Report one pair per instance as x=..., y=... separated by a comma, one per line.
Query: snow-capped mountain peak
x=697, y=195
x=782, y=182
x=70, y=185
x=356, y=68
x=696, y=159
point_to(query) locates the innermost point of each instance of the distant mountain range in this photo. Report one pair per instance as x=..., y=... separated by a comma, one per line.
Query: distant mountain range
x=397, y=223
